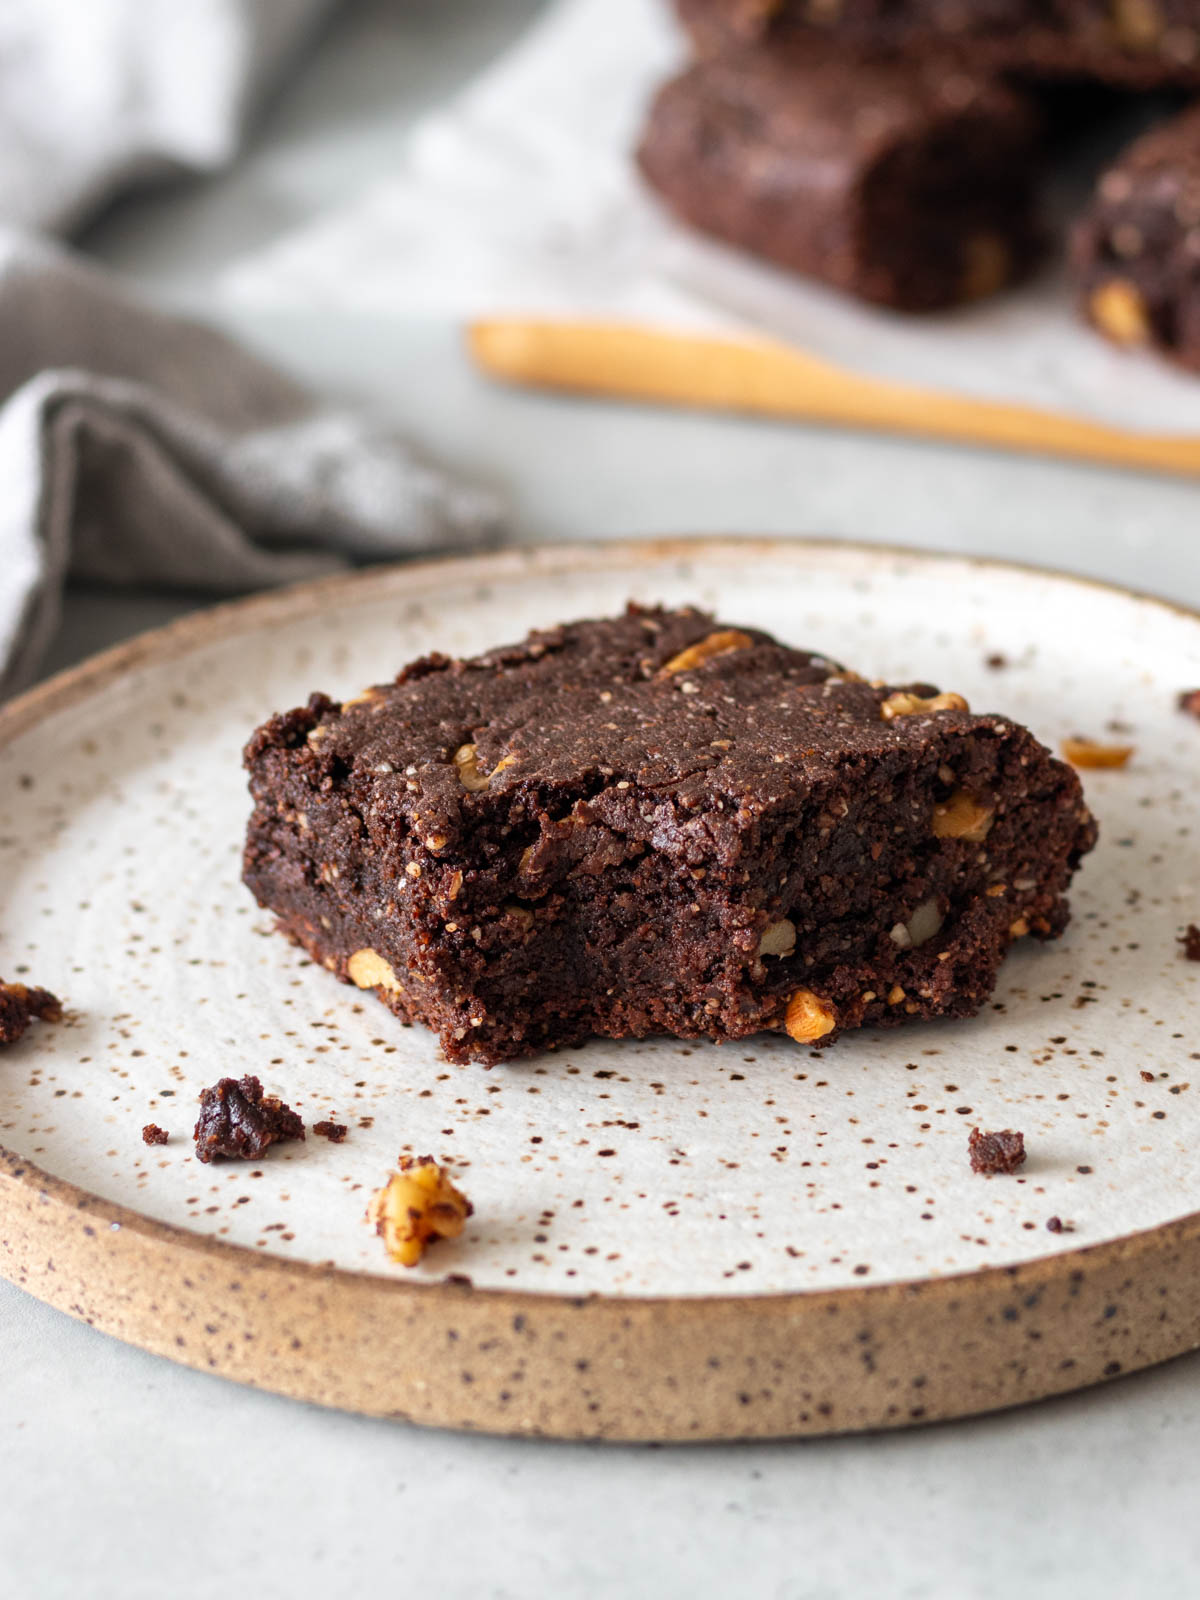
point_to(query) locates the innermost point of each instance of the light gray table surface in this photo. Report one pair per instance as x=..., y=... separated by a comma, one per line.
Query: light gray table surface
x=123, y=1475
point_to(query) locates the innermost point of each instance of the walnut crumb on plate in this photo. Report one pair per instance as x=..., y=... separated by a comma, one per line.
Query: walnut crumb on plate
x=417, y=1205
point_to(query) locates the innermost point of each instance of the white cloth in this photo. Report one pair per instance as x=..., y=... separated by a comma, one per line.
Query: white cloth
x=97, y=95
x=140, y=447
x=521, y=197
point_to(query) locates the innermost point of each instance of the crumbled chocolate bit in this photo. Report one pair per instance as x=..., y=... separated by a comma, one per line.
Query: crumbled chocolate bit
x=996, y=1152
x=153, y=1134
x=1146, y=1077
x=19, y=1005
x=238, y=1121
x=1190, y=940
x=1189, y=701
x=335, y=1132
x=1054, y=1225
x=997, y=661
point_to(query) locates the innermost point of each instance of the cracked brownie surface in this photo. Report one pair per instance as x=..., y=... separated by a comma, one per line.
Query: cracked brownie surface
x=657, y=823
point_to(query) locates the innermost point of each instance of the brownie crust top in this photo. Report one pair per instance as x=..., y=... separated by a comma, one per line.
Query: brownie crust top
x=711, y=717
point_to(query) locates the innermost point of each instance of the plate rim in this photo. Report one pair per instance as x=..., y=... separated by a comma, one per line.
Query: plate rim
x=26, y=1187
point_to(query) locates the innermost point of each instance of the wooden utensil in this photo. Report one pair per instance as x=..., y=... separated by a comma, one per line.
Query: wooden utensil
x=764, y=378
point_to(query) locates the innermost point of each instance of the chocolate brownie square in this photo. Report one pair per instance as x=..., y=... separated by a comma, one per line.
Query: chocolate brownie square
x=1136, y=254
x=657, y=823
x=907, y=183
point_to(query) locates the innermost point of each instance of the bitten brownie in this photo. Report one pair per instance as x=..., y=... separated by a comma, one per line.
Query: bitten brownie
x=1136, y=254
x=657, y=824
x=906, y=183
x=1134, y=44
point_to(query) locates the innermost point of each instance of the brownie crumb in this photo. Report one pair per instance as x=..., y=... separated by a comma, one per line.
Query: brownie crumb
x=495, y=914
x=1146, y=1077
x=20, y=1005
x=1189, y=701
x=997, y=661
x=996, y=1152
x=239, y=1122
x=153, y=1134
x=1190, y=940
x=335, y=1132
x=1054, y=1225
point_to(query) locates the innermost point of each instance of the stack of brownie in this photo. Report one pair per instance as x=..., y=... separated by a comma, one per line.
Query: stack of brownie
x=896, y=149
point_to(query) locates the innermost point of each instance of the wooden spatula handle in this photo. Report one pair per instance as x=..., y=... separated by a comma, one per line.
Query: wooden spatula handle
x=768, y=379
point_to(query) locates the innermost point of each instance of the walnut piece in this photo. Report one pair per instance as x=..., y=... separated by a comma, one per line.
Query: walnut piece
x=417, y=1205
x=808, y=1017
x=367, y=969
x=962, y=817
x=925, y=921
x=19, y=1005
x=1138, y=24
x=986, y=266
x=902, y=704
x=1118, y=310
x=1087, y=753
x=469, y=775
x=778, y=938
x=363, y=699
x=722, y=643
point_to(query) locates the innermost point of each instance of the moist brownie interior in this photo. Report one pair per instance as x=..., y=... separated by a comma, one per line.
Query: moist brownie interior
x=657, y=823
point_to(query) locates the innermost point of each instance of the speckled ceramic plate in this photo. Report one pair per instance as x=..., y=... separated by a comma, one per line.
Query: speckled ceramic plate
x=669, y=1240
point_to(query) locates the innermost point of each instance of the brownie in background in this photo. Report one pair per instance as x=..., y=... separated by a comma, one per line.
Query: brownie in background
x=1136, y=255
x=907, y=183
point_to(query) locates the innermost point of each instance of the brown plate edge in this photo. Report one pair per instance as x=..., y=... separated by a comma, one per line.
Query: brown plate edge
x=591, y=1367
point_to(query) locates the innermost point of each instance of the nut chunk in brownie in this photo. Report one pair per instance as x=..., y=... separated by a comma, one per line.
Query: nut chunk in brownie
x=1137, y=252
x=238, y=1122
x=908, y=183
x=20, y=1005
x=657, y=823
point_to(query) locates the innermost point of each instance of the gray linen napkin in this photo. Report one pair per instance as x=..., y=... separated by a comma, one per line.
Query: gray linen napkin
x=99, y=95
x=137, y=447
